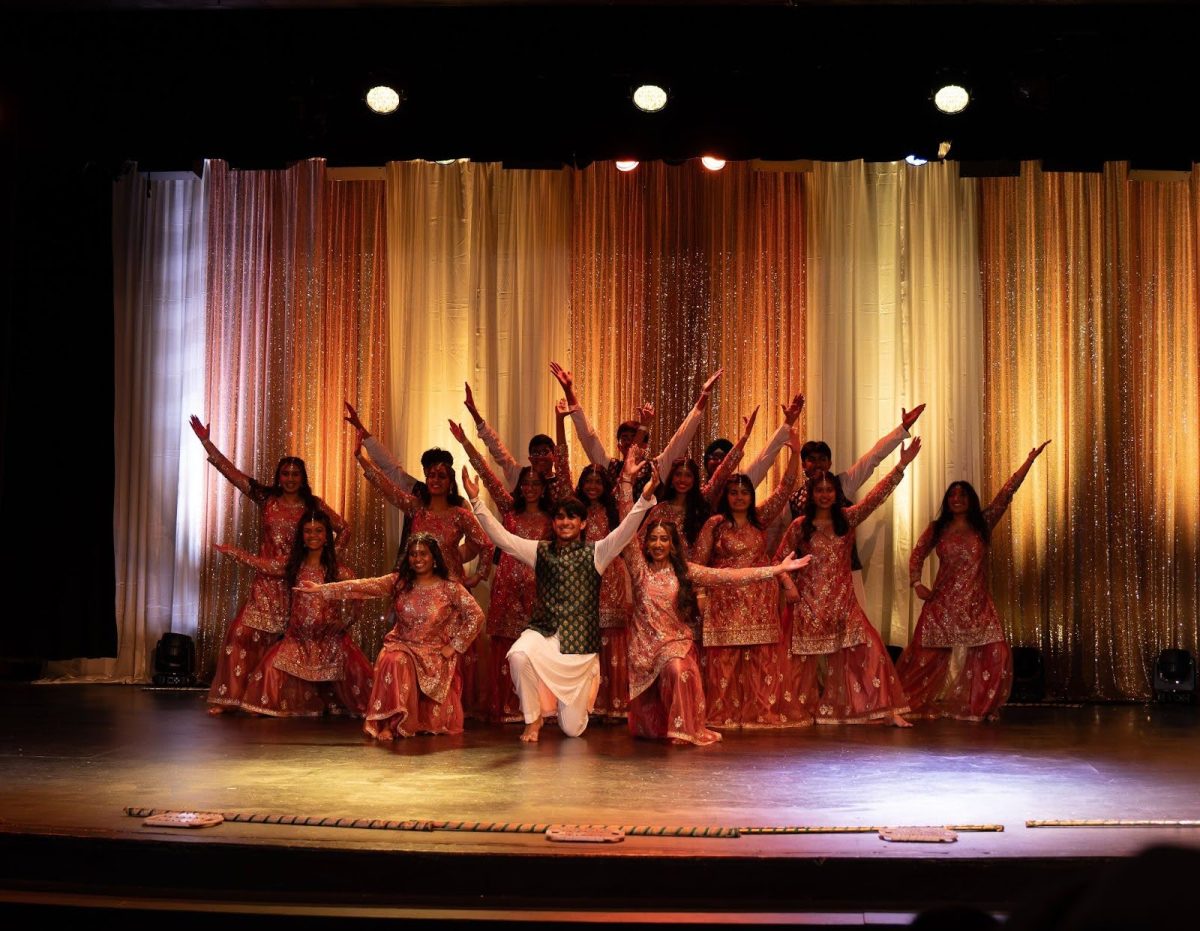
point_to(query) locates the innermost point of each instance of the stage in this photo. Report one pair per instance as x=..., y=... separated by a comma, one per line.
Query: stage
x=75, y=757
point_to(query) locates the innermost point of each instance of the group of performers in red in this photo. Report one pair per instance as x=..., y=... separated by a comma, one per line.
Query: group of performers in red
x=642, y=591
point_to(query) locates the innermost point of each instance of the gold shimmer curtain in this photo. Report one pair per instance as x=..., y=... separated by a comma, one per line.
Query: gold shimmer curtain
x=895, y=321
x=295, y=313
x=675, y=272
x=478, y=293
x=1091, y=303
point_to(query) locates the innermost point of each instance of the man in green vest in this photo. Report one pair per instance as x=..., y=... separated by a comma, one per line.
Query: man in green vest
x=554, y=664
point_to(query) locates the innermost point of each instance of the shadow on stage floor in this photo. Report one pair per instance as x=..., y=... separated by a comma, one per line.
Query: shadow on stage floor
x=75, y=757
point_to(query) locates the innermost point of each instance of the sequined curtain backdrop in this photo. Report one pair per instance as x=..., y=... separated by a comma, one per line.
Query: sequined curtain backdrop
x=295, y=298
x=1091, y=301
x=675, y=272
x=894, y=321
x=478, y=293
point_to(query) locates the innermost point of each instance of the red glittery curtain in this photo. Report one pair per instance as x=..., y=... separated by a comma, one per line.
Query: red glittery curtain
x=296, y=309
x=675, y=272
x=1091, y=328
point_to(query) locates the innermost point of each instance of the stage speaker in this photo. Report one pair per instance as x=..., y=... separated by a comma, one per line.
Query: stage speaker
x=175, y=661
x=1029, y=675
x=1175, y=676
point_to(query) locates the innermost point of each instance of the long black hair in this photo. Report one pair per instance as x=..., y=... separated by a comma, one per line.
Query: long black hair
x=404, y=571
x=300, y=551
x=436, y=456
x=974, y=513
x=685, y=600
x=742, y=479
x=260, y=492
x=545, y=503
x=696, y=510
x=607, y=499
x=841, y=526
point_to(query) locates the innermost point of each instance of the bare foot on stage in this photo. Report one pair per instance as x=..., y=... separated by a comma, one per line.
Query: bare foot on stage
x=215, y=710
x=384, y=734
x=898, y=721
x=530, y=734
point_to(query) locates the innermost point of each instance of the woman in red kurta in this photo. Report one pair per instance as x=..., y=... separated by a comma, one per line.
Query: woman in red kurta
x=741, y=625
x=828, y=628
x=418, y=679
x=316, y=668
x=263, y=616
x=665, y=687
x=959, y=664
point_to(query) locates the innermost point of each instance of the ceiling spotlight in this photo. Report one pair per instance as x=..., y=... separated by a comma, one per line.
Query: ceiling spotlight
x=916, y=160
x=712, y=163
x=943, y=149
x=383, y=99
x=444, y=161
x=626, y=164
x=952, y=98
x=650, y=98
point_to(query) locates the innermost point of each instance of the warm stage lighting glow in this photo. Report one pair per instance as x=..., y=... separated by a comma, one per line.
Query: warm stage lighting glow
x=382, y=99
x=626, y=164
x=712, y=163
x=951, y=99
x=916, y=160
x=650, y=97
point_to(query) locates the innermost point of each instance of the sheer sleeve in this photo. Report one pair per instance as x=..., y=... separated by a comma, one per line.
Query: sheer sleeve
x=237, y=478
x=773, y=506
x=994, y=511
x=703, y=575
x=272, y=566
x=712, y=489
x=564, y=483
x=790, y=542
x=468, y=618
x=499, y=452
x=501, y=495
x=395, y=495
x=919, y=554
x=472, y=530
x=857, y=513
x=635, y=562
x=706, y=540
x=378, y=587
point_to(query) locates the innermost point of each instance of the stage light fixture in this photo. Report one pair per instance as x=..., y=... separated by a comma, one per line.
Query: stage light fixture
x=625, y=164
x=444, y=161
x=383, y=99
x=649, y=98
x=1175, y=677
x=712, y=163
x=916, y=160
x=175, y=661
x=951, y=98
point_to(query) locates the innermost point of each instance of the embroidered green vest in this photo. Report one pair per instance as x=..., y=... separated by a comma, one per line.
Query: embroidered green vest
x=568, y=588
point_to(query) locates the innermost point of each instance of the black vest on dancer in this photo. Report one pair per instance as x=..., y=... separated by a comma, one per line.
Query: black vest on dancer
x=568, y=596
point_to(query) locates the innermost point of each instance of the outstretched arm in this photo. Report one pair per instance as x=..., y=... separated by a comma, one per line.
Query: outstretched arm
x=917, y=561
x=677, y=445
x=774, y=505
x=380, y=454
x=884, y=487
x=994, y=511
x=854, y=477
x=516, y=547
x=715, y=486
x=501, y=495
x=758, y=467
x=239, y=479
x=272, y=566
x=378, y=587
x=708, y=577
x=591, y=442
x=389, y=489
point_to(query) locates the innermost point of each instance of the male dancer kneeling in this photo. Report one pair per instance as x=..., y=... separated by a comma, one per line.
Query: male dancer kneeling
x=555, y=663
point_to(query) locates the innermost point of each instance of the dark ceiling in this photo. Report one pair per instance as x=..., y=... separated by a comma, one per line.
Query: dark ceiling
x=264, y=83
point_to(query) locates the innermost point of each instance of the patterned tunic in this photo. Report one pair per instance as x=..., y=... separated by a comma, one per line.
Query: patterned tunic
x=961, y=612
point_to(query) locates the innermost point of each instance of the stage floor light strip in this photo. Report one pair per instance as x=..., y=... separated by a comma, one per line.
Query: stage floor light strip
x=512, y=827
x=1117, y=823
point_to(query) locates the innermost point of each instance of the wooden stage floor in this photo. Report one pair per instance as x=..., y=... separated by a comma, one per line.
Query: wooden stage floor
x=73, y=757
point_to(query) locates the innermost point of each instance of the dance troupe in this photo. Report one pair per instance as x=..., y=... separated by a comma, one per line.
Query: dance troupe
x=643, y=590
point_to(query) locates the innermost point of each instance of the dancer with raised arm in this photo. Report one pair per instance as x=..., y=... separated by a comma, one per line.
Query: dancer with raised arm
x=828, y=627
x=741, y=625
x=547, y=457
x=316, y=668
x=555, y=663
x=418, y=676
x=263, y=616
x=719, y=449
x=959, y=664
x=665, y=684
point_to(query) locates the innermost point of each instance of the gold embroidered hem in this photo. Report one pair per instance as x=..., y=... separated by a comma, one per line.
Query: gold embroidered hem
x=749, y=636
x=271, y=622
x=869, y=718
x=332, y=672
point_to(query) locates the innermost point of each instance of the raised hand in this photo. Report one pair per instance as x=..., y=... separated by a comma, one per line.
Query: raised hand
x=198, y=428
x=224, y=548
x=457, y=432
x=909, y=453
x=306, y=585
x=790, y=563
x=794, y=440
x=353, y=419
x=1037, y=451
x=469, y=403
x=562, y=409
x=651, y=484
x=633, y=462
x=791, y=412
x=645, y=414
x=706, y=391
x=470, y=486
x=748, y=422
x=908, y=418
